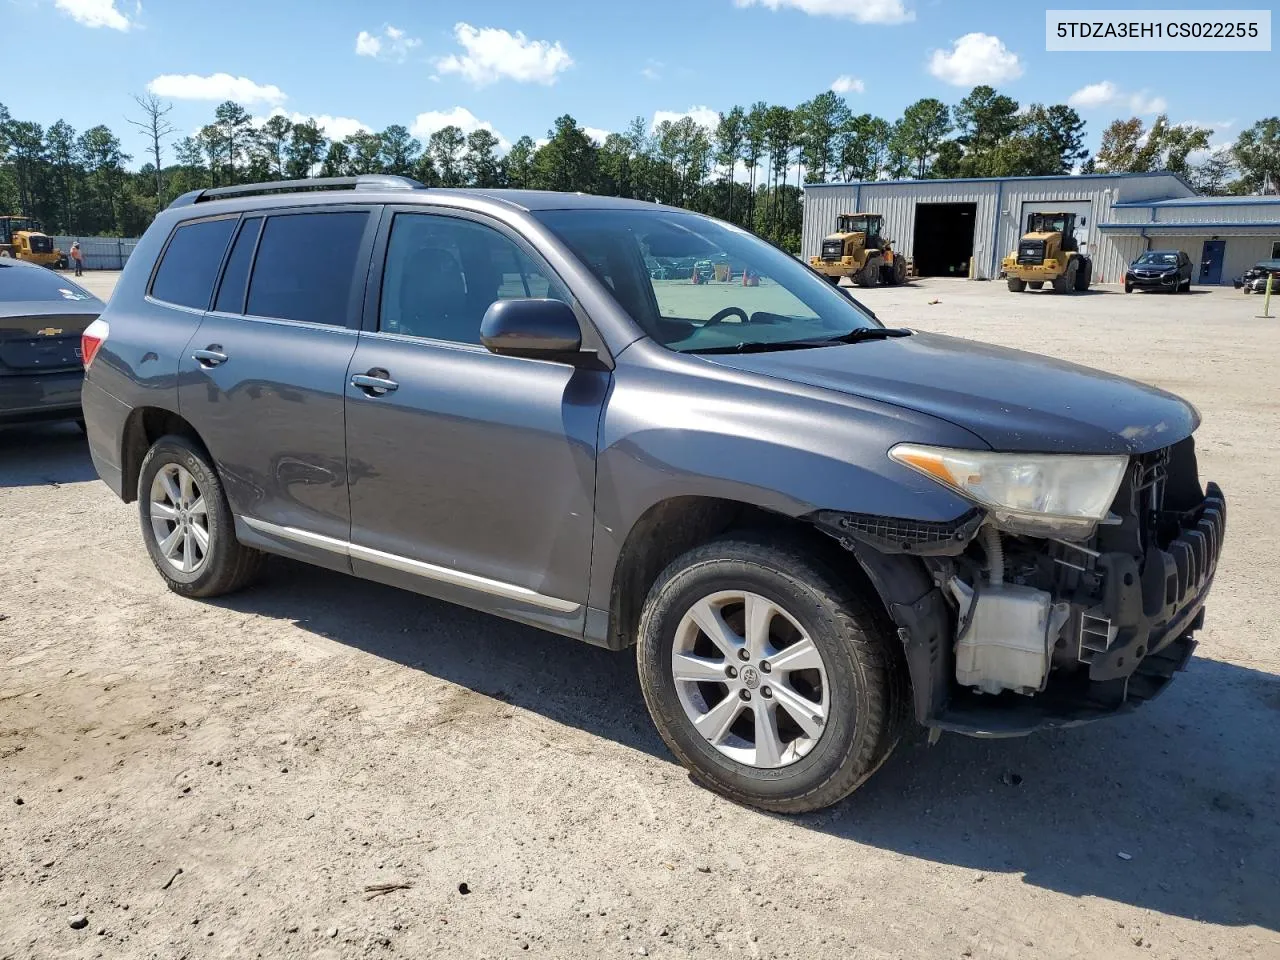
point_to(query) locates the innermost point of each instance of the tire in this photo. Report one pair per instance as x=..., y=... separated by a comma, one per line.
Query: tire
x=1084, y=275
x=1185, y=287
x=869, y=275
x=861, y=689
x=1128, y=288
x=224, y=565
x=899, y=271
x=1035, y=284
x=1016, y=285
x=1067, y=282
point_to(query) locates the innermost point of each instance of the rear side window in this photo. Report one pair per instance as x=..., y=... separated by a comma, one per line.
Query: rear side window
x=191, y=261
x=305, y=266
x=20, y=282
x=231, y=292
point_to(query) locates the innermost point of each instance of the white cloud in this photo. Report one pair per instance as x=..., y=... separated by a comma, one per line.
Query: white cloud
x=974, y=59
x=847, y=84
x=425, y=124
x=493, y=54
x=703, y=116
x=335, y=128
x=392, y=44
x=596, y=134
x=1141, y=104
x=95, y=13
x=652, y=69
x=1104, y=93
x=1094, y=95
x=217, y=86
x=859, y=11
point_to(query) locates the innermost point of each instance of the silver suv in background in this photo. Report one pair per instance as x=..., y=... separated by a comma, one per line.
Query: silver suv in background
x=812, y=527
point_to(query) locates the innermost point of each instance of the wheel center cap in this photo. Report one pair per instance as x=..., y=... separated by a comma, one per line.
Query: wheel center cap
x=750, y=677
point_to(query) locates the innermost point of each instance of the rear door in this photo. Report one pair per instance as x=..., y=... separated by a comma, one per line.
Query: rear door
x=263, y=378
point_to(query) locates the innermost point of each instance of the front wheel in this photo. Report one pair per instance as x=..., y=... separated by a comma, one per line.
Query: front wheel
x=187, y=524
x=768, y=676
x=1016, y=285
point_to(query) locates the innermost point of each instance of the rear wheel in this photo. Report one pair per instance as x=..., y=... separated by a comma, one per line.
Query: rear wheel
x=1016, y=285
x=768, y=677
x=187, y=524
x=899, y=271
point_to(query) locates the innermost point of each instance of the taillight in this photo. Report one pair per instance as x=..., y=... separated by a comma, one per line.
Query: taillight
x=91, y=341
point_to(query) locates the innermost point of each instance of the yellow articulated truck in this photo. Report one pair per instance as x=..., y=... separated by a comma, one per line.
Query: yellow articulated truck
x=1048, y=252
x=23, y=239
x=857, y=251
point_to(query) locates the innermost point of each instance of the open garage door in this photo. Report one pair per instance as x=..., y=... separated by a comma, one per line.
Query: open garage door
x=943, y=244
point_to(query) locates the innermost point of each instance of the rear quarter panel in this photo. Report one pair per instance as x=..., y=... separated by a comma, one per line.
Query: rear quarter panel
x=138, y=365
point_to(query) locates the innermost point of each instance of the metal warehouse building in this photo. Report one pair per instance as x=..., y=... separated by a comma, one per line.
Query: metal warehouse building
x=945, y=224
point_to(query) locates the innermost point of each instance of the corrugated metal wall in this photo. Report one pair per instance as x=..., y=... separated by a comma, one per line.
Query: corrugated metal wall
x=1000, y=218
x=1215, y=213
x=101, y=253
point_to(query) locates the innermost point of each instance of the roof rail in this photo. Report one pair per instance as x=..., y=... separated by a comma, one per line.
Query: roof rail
x=367, y=181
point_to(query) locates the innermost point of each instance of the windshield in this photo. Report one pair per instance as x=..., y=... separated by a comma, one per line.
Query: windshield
x=22, y=283
x=695, y=284
x=24, y=223
x=854, y=225
x=1157, y=256
x=1045, y=223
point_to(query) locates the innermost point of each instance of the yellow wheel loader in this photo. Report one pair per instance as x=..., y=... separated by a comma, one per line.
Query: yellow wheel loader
x=23, y=239
x=857, y=251
x=1048, y=252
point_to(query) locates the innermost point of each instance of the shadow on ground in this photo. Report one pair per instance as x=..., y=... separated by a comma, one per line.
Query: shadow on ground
x=45, y=453
x=1187, y=787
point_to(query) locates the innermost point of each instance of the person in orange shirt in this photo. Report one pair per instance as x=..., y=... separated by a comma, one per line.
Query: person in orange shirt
x=78, y=257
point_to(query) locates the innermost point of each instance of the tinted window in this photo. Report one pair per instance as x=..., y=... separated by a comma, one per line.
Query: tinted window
x=442, y=274
x=305, y=266
x=236, y=275
x=191, y=262
x=36, y=283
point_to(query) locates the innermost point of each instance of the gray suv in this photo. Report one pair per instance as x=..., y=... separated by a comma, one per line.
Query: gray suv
x=811, y=526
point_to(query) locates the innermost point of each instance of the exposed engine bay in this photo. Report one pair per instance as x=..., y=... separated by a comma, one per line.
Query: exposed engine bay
x=1052, y=631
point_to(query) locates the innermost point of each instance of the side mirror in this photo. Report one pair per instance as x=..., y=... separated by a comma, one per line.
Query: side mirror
x=541, y=329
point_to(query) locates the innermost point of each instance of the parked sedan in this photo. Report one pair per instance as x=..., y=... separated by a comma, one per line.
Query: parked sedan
x=1254, y=279
x=42, y=315
x=1168, y=270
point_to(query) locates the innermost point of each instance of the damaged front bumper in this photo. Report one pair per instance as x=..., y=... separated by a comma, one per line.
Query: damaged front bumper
x=1120, y=611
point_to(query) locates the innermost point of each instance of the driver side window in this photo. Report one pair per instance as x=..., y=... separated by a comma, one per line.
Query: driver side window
x=442, y=274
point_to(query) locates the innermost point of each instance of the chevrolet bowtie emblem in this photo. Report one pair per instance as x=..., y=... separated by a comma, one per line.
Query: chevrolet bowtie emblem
x=49, y=332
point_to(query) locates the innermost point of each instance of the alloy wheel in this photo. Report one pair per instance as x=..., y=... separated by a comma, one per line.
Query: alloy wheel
x=750, y=679
x=179, y=518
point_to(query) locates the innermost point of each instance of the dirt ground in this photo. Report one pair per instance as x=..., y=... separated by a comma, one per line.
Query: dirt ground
x=229, y=779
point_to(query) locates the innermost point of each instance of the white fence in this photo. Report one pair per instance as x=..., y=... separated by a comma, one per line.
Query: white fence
x=100, y=253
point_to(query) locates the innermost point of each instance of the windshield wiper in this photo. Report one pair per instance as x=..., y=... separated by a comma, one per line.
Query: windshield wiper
x=764, y=346
x=858, y=335
x=872, y=333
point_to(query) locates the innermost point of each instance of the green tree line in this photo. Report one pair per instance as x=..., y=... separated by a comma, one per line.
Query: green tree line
x=750, y=168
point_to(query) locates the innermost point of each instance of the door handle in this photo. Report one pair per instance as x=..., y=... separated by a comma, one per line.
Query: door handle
x=210, y=356
x=375, y=383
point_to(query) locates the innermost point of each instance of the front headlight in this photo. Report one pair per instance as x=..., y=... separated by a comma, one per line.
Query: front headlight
x=1037, y=494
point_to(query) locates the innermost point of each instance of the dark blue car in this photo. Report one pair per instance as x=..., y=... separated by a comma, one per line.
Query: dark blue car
x=42, y=315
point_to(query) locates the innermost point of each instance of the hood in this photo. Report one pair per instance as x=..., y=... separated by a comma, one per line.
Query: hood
x=1012, y=400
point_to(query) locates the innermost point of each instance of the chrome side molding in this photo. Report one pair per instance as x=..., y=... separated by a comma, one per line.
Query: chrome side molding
x=428, y=571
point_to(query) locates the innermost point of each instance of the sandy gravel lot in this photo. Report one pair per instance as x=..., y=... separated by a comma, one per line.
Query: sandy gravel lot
x=290, y=747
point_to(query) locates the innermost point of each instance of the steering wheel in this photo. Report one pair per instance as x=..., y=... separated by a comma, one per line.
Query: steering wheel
x=727, y=312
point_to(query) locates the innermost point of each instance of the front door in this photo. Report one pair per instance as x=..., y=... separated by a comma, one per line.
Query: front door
x=472, y=476
x=1211, y=261
x=263, y=378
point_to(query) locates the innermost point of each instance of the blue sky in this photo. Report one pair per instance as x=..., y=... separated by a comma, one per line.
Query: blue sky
x=516, y=66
